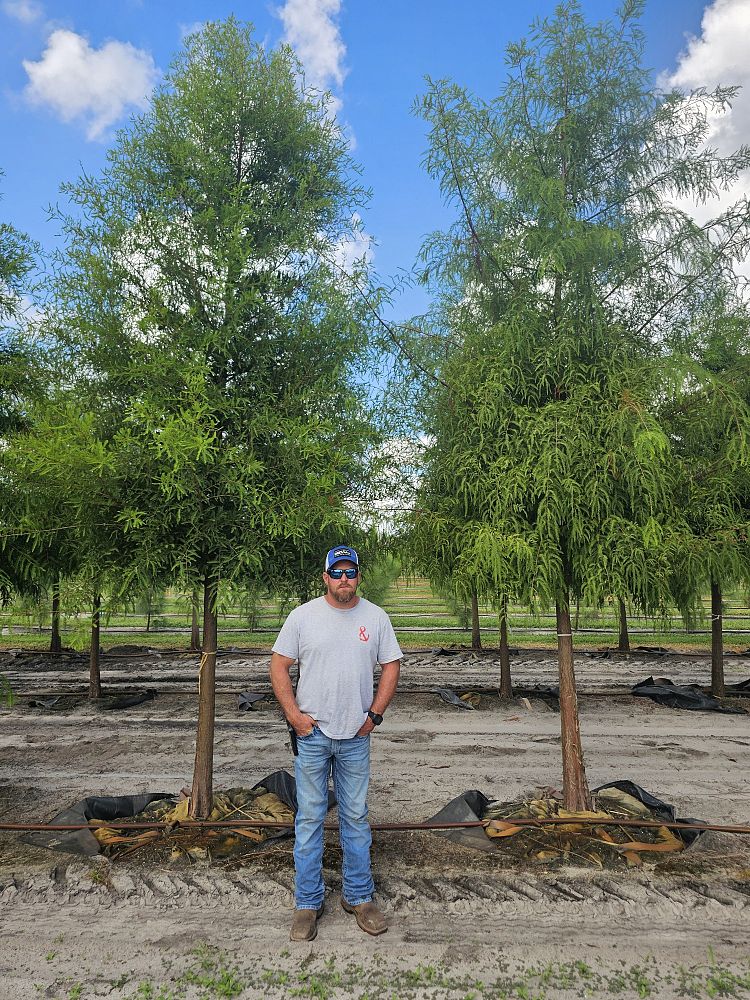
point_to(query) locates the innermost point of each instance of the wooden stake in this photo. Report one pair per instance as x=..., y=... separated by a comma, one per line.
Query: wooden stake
x=95, y=680
x=717, y=642
x=623, y=643
x=55, y=643
x=506, y=685
x=201, y=797
x=476, y=635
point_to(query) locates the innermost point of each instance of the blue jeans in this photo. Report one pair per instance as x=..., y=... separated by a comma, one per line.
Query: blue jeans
x=349, y=762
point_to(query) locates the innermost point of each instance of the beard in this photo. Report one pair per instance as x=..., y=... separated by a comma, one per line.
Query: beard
x=345, y=595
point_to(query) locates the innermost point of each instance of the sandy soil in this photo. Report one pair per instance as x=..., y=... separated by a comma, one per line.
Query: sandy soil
x=457, y=916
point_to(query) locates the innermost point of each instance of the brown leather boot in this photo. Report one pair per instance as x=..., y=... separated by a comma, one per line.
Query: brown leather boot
x=305, y=924
x=368, y=916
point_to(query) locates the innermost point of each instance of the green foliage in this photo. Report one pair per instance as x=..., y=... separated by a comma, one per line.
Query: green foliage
x=16, y=262
x=709, y=423
x=150, y=602
x=20, y=383
x=549, y=470
x=212, y=974
x=378, y=575
x=206, y=420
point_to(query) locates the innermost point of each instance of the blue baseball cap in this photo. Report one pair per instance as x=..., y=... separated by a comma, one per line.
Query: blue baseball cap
x=339, y=553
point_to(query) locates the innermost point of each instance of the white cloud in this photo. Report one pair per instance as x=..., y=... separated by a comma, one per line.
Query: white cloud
x=26, y=11
x=396, y=467
x=31, y=312
x=351, y=250
x=191, y=28
x=95, y=86
x=310, y=27
x=719, y=57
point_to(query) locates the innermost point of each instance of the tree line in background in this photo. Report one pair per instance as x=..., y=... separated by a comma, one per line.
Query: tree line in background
x=197, y=400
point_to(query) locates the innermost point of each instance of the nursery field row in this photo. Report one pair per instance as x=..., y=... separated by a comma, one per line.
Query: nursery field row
x=420, y=615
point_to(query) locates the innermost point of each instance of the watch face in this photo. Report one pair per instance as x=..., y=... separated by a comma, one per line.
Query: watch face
x=376, y=719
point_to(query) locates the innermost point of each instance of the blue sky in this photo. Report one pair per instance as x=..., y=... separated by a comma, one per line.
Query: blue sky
x=73, y=71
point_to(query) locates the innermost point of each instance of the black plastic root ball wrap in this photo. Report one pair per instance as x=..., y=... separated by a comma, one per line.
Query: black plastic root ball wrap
x=688, y=696
x=122, y=807
x=471, y=806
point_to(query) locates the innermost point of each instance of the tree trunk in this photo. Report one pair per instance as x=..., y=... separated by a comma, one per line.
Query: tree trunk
x=623, y=643
x=476, y=635
x=576, y=795
x=201, y=796
x=717, y=642
x=148, y=616
x=506, y=686
x=95, y=681
x=55, y=643
x=195, y=632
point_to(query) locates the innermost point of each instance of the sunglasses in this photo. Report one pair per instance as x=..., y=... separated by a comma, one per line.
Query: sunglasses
x=336, y=574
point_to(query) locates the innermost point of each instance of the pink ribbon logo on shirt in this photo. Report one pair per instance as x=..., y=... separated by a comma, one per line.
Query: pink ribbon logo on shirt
x=363, y=636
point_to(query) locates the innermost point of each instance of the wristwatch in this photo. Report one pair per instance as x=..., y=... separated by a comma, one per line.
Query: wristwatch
x=375, y=718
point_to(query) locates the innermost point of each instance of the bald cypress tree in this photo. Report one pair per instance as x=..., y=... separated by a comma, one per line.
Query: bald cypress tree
x=201, y=304
x=18, y=385
x=444, y=513
x=568, y=260
x=709, y=423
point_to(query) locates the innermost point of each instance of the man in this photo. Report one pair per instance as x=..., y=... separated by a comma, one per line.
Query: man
x=337, y=640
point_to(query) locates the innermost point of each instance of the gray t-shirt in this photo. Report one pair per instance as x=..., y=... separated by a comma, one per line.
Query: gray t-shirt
x=337, y=650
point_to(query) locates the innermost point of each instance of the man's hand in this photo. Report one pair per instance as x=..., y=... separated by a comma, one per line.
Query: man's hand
x=303, y=724
x=367, y=728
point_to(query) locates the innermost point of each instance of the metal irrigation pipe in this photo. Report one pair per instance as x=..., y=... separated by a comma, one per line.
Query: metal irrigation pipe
x=228, y=823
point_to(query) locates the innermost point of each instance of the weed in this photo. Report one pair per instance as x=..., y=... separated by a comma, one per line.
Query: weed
x=583, y=970
x=219, y=982
x=617, y=983
x=147, y=991
x=100, y=875
x=214, y=975
x=275, y=977
x=640, y=982
x=313, y=987
x=724, y=983
x=76, y=992
x=524, y=993
x=424, y=975
x=50, y=955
